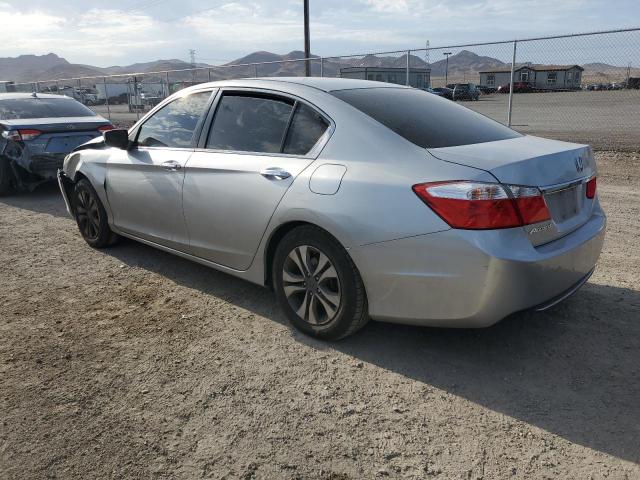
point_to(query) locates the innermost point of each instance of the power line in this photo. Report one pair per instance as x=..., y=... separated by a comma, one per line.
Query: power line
x=142, y=6
x=194, y=13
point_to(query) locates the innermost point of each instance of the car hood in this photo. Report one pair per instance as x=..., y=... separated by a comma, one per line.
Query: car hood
x=525, y=160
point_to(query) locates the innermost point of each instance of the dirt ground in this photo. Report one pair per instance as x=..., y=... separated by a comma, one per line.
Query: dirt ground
x=132, y=363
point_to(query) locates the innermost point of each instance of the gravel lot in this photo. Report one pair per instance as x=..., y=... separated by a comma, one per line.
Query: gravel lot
x=132, y=363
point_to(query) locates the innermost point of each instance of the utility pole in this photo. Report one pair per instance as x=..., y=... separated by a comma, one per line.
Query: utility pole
x=307, y=43
x=427, y=62
x=446, y=69
x=192, y=55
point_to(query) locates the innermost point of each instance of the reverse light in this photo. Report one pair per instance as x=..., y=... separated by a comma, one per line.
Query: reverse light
x=591, y=188
x=22, y=134
x=483, y=206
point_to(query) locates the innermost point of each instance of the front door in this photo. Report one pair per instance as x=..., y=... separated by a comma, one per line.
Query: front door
x=144, y=183
x=257, y=145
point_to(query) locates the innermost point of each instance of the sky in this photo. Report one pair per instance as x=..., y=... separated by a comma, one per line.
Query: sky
x=122, y=32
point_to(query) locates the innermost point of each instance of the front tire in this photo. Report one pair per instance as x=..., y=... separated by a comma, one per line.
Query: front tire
x=317, y=285
x=91, y=216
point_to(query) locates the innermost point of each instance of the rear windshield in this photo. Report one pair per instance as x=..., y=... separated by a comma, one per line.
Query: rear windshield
x=19, y=108
x=425, y=119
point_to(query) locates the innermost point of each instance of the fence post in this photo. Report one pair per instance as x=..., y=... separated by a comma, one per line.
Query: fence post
x=208, y=73
x=57, y=88
x=169, y=85
x=406, y=82
x=135, y=98
x=255, y=71
x=322, y=66
x=513, y=69
x=106, y=97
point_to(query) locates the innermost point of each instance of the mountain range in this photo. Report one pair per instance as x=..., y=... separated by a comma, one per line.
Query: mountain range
x=25, y=68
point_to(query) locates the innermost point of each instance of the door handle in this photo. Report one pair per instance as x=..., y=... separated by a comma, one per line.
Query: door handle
x=171, y=166
x=275, y=173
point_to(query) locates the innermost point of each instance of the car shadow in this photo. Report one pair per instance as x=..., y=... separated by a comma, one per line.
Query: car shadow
x=46, y=198
x=573, y=371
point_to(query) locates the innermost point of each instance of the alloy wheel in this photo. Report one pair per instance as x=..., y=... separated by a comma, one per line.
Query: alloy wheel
x=311, y=285
x=88, y=214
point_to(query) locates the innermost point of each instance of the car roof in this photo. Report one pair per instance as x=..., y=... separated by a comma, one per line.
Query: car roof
x=326, y=84
x=16, y=95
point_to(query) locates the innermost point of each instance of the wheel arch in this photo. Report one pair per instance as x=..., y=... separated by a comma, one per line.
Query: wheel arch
x=279, y=233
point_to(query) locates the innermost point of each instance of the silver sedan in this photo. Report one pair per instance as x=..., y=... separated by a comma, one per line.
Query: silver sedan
x=350, y=199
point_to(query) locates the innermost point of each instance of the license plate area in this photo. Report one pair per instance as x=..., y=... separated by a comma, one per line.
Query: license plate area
x=564, y=204
x=66, y=144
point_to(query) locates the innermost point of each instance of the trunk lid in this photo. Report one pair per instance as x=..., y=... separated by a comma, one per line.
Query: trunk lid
x=559, y=169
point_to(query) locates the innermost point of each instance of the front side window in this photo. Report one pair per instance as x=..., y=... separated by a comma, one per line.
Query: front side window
x=249, y=123
x=424, y=119
x=173, y=125
x=306, y=129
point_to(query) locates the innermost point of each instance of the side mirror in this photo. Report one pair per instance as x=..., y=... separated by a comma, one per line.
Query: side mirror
x=118, y=138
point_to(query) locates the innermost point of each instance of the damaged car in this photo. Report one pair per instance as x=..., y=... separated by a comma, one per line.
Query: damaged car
x=36, y=132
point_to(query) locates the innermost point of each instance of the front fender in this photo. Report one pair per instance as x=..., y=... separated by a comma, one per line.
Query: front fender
x=92, y=165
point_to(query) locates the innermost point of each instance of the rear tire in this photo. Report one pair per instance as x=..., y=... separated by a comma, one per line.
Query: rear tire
x=317, y=284
x=91, y=216
x=6, y=177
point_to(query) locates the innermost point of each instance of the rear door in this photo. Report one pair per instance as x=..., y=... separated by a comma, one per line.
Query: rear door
x=144, y=183
x=256, y=145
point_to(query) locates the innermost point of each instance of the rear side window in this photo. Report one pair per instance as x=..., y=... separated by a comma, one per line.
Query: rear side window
x=306, y=129
x=173, y=125
x=249, y=123
x=425, y=119
x=22, y=108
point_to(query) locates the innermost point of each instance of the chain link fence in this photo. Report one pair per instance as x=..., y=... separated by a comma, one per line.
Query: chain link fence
x=580, y=87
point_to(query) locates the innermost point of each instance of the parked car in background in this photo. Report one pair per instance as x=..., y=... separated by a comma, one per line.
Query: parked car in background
x=36, y=132
x=444, y=92
x=518, y=87
x=351, y=199
x=465, y=91
x=440, y=92
x=82, y=95
x=120, y=99
x=486, y=90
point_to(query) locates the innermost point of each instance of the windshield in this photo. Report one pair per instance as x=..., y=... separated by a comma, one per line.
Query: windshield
x=21, y=108
x=427, y=120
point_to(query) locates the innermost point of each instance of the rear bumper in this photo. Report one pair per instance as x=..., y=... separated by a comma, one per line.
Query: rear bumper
x=460, y=278
x=46, y=165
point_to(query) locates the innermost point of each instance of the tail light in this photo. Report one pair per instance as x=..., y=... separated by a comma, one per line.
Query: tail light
x=482, y=206
x=22, y=134
x=105, y=128
x=591, y=188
